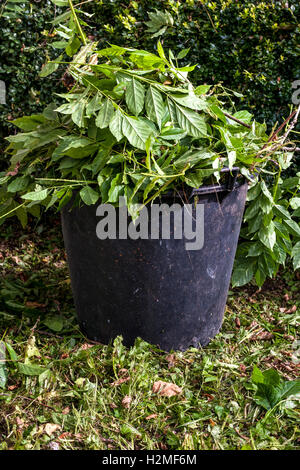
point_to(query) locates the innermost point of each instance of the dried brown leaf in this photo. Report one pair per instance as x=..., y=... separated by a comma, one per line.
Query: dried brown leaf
x=166, y=389
x=126, y=401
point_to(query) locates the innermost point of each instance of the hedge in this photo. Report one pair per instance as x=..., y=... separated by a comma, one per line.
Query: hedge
x=250, y=46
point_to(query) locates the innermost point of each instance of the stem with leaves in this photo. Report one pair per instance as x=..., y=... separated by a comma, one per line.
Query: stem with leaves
x=81, y=33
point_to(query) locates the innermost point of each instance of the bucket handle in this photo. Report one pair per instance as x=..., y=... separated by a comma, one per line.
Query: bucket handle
x=228, y=186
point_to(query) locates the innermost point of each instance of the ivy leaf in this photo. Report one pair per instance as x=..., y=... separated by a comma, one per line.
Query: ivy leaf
x=191, y=122
x=89, y=195
x=105, y=114
x=154, y=105
x=135, y=96
x=136, y=131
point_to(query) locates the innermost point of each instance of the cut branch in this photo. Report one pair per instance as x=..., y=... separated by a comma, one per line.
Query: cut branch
x=237, y=120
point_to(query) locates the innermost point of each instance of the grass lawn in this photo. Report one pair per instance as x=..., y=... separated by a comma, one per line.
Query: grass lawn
x=60, y=391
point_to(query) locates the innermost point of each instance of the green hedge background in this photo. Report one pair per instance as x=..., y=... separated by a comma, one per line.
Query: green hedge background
x=251, y=46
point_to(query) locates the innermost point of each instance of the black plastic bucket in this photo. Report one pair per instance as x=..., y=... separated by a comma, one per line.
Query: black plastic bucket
x=155, y=289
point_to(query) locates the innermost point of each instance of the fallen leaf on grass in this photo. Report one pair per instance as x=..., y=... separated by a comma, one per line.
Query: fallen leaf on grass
x=288, y=310
x=154, y=415
x=65, y=435
x=86, y=346
x=66, y=410
x=208, y=396
x=12, y=387
x=262, y=336
x=120, y=381
x=20, y=423
x=166, y=389
x=126, y=402
x=64, y=356
x=51, y=428
x=171, y=359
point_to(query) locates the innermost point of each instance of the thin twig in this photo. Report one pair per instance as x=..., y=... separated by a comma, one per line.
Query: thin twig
x=237, y=120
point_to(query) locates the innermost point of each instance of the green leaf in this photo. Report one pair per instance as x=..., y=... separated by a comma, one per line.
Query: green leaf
x=160, y=50
x=193, y=157
x=93, y=105
x=267, y=235
x=266, y=192
x=271, y=389
x=257, y=376
x=54, y=323
x=116, y=189
x=202, y=89
x=73, y=46
x=218, y=112
x=105, y=114
x=296, y=255
x=191, y=101
x=260, y=277
x=18, y=184
x=191, y=122
x=295, y=202
x=39, y=195
x=136, y=131
x=243, y=273
x=115, y=125
x=135, y=96
x=183, y=53
x=292, y=227
x=29, y=123
x=21, y=213
x=3, y=368
x=3, y=375
x=78, y=113
x=281, y=211
x=30, y=369
x=243, y=116
x=154, y=105
x=12, y=354
x=89, y=195
x=49, y=68
x=291, y=183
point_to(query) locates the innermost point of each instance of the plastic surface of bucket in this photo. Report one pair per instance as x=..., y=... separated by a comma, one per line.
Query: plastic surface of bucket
x=155, y=289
